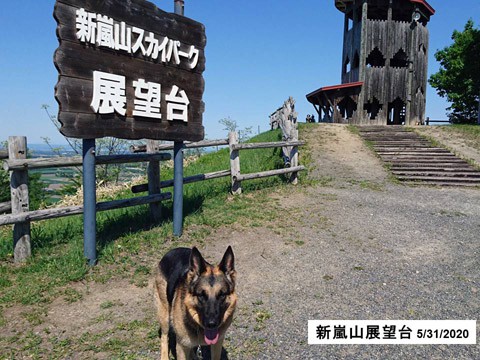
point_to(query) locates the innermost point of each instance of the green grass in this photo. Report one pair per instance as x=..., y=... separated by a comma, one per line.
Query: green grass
x=128, y=245
x=126, y=237
x=471, y=133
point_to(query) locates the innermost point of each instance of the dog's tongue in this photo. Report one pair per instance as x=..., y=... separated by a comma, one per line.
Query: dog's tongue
x=211, y=336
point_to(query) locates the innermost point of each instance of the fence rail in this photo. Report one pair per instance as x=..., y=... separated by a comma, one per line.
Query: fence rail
x=266, y=145
x=42, y=163
x=76, y=210
x=429, y=121
x=186, y=180
x=5, y=207
x=263, y=174
x=234, y=171
x=186, y=145
x=19, y=166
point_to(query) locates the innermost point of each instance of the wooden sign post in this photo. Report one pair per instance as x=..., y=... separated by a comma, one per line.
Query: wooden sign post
x=128, y=70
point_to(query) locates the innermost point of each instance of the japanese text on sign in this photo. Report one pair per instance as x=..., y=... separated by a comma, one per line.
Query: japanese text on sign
x=109, y=96
x=392, y=332
x=104, y=31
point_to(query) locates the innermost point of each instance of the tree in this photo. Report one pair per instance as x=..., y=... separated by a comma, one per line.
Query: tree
x=231, y=125
x=104, y=146
x=4, y=185
x=459, y=76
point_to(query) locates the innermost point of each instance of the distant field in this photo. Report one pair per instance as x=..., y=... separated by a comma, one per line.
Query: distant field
x=56, y=178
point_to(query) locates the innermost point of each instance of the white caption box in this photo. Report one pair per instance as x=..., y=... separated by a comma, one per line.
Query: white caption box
x=383, y=332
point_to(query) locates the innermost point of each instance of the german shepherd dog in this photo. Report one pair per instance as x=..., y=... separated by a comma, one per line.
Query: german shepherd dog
x=194, y=299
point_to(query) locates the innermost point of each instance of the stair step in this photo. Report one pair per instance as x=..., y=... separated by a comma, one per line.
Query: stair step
x=442, y=184
x=439, y=178
x=414, y=159
x=391, y=138
x=403, y=146
x=409, y=147
x=430, y=173
x=433, y=168
x=423, y=158
x=439, y=154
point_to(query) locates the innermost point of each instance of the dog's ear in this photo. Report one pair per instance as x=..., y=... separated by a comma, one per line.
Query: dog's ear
x=197, y=262
x=227, y=265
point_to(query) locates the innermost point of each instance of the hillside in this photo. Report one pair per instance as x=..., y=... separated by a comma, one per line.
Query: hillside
x=347, y=243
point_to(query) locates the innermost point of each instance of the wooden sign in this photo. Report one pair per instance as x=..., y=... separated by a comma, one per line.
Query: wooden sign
x=128, y=70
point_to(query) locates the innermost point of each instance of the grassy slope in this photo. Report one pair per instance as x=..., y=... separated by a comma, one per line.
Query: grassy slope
x=122, y=234
x=128, y=246
x=469, y=132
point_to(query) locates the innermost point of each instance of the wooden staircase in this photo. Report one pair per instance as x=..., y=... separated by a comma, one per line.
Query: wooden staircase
x=414, y=159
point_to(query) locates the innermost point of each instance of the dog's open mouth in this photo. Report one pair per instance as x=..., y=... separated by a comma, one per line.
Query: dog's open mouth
x=211, y=336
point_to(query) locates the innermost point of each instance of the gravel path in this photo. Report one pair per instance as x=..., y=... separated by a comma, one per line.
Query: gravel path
x=350, y=246
x=355, y=247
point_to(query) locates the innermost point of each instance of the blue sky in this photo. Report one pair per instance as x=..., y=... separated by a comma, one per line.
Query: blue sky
x=258, y=53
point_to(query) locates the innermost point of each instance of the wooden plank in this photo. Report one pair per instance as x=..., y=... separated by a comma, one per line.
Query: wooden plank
x=68, y=62
x=118, y=204
x=439, y=178
x=186, y=145
x=186, y=180
x=234, y=163
x=71, y=46
x=195, y=145
x=266, y=145
x=5, y=207
x=41, y=215
x=76, y=62
x=438, y=172
x=270, y=173
x=76, y=210
x=17, y=149
x=39, y=163
x=81, y=124
x=131, y=158
x=150, y=18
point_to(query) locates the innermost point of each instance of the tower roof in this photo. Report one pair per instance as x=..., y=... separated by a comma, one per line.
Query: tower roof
x=343, y=4
x=314, y=96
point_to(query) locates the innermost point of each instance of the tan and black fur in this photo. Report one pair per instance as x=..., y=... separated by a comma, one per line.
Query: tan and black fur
x=194, y=299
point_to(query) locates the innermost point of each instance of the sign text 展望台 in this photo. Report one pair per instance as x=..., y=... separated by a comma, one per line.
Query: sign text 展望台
x=129, y=70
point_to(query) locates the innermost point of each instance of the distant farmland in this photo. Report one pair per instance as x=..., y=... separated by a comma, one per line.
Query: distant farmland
x=56, y=178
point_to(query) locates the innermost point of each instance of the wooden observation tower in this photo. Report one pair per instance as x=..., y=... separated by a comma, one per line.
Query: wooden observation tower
x=384, y=64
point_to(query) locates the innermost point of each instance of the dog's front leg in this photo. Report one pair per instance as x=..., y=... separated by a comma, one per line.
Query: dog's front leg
x=216, y=350
x=184, y=352
x=164, y=346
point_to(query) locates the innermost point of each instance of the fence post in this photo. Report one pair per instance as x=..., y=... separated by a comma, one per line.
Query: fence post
x=294, y=158
x=17, y=149
x=179, y=9
x=153, y=172
x=89, y=202
x=234, y=163
x=178, y=188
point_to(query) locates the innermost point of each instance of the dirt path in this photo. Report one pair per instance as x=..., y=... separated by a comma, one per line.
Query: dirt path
x=352, y=246
x=355, y=247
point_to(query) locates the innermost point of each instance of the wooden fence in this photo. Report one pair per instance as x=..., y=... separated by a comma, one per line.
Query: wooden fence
x=18, y=165
x=429, y=121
